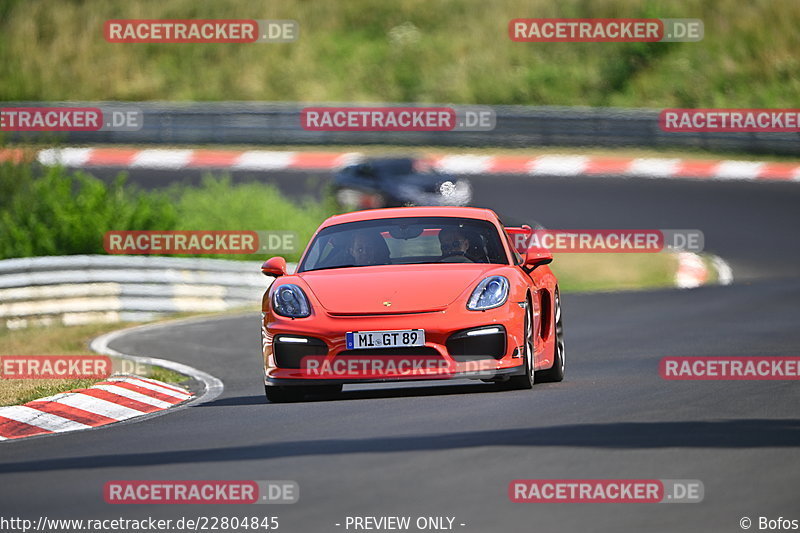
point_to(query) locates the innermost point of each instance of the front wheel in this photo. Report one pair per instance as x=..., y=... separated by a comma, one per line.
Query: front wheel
x=525, y=381
x=556, y=372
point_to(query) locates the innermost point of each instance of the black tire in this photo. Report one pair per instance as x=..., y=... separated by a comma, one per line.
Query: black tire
x=525, y=381
x=283, y=394
x=555, y=373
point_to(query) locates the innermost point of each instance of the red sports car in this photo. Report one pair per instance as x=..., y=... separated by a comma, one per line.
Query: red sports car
x=412, y=293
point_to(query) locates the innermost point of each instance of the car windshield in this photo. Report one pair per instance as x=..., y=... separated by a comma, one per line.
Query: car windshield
x=405, y=241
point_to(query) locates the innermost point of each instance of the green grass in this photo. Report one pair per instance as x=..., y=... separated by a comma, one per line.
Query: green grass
x=165, y=375
x=13, y=394
x=586, y=272
x=219, y=205
x=447, y=51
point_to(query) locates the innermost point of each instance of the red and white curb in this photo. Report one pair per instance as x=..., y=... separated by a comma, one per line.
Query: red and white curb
x=114, y=400
x=692, y=271
x=543, y=165
x=119, y=398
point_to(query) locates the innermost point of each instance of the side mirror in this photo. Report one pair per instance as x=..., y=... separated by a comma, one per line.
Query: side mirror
x=274, y=266
x=537, y=256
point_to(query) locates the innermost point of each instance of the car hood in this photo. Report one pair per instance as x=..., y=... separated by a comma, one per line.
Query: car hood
x=407, y=288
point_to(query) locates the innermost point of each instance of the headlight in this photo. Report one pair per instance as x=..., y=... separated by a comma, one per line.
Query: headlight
x=290, y=300
x=491, y=292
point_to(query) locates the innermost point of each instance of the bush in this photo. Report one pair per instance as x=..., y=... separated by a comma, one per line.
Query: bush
x=219, y=205
x=65, y=213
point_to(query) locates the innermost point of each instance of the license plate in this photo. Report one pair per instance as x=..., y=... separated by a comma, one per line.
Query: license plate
x=357, y=340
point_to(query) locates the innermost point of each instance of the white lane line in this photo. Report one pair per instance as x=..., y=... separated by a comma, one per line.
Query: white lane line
x=34, y=417
x=69, y=157
x=464, y=164
x=737, y=170
x=263, y=160
x=160, y=158
x=653, y=167
x=559, y=165
x=133, y=395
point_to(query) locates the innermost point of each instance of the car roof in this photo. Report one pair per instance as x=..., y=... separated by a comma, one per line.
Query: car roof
x=398, y=212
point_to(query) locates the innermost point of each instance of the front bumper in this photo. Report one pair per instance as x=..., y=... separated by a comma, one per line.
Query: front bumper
x=455, y=354
x=500, y=374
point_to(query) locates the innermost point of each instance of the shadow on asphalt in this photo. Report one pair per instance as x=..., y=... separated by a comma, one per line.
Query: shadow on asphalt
x=235, y=401
x=723, y=434
x=366, y=394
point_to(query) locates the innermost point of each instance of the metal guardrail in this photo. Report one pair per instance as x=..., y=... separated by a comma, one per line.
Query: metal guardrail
x=81, y=289
x=266, y=123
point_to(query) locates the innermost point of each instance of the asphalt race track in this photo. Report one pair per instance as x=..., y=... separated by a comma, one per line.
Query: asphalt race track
x=451, y=449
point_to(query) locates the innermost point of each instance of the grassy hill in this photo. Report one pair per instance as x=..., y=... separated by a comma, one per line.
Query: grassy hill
x=447, y=51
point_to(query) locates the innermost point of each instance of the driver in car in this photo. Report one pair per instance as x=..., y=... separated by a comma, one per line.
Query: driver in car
x=368, y=249
x=454, y=243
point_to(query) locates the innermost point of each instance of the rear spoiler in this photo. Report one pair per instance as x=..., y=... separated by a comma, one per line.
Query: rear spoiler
x=520, y=237
x=532, y=254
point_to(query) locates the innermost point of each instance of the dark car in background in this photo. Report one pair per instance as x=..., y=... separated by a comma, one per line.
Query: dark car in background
x=397, y=182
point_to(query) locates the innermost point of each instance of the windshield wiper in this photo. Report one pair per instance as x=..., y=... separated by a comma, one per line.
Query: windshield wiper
x=330, y=267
